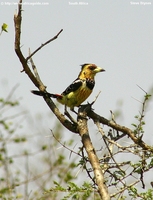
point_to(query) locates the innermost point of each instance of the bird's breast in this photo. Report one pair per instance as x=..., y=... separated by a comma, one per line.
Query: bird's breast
x=90, y=83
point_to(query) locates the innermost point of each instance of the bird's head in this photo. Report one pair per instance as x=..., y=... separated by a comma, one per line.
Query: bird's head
x=89, y=71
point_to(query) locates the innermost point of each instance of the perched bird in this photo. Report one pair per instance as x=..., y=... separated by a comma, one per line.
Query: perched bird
x=79, y=90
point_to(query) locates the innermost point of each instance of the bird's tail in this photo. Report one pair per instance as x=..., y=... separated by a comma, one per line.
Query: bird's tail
x=41, y=93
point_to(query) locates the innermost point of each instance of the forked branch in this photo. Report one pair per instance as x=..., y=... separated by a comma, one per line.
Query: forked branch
x=17, y=23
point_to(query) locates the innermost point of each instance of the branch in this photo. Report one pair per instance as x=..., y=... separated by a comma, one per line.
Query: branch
x=42, y=87
x=54, y=38
x=142, y=114
x=84, y=165
x=124, y=188
x=117, y=127
x=94, y=161
x=37, y=82
x=110, y=151
x=17, y=24
x=63, y=145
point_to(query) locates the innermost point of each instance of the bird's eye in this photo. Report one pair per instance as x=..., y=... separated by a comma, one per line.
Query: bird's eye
x=92, y=68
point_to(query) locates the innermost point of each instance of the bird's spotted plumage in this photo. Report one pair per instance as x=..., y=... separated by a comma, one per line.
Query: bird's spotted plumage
x=79, y=90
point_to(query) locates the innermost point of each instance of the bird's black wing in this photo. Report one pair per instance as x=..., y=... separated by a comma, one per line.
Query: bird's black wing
x=73, y=87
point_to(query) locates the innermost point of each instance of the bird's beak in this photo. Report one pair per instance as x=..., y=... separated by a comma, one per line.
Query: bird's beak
x=99, y=69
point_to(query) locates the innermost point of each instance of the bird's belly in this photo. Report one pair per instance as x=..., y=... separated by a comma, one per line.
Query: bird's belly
x=82, y=95
x=75, y=98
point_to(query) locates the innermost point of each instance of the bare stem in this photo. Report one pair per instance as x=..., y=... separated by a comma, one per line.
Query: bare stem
x=42, y=45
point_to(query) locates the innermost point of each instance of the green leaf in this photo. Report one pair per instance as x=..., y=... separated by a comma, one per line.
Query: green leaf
x=4, y=27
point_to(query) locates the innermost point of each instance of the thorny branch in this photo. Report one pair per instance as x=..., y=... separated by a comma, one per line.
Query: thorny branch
x=128, y=132
x=138, y=130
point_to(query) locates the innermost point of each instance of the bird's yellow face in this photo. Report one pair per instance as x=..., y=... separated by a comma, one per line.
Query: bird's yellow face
x=89, y=71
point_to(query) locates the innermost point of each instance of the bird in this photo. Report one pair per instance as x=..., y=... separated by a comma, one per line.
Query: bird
x=79, y=90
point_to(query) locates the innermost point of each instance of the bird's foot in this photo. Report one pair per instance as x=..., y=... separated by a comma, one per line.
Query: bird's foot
x=69, y=116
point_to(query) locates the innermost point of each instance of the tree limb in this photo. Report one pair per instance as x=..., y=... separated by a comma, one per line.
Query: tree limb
x=93, y=159
x=118, y=127
x=17, y=22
